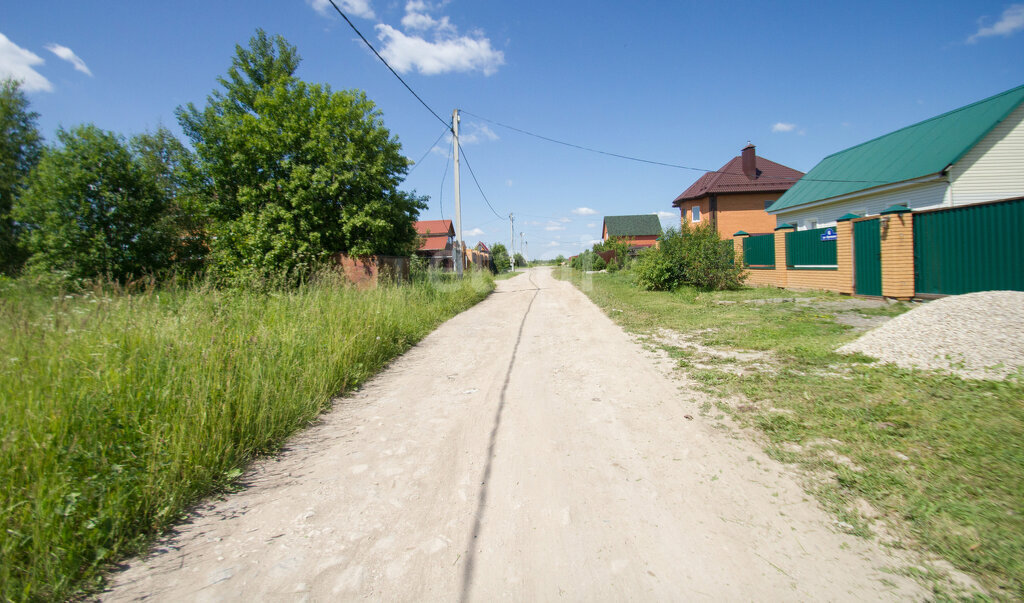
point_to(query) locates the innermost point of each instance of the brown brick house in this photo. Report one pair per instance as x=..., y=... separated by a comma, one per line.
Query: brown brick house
x=736, y=196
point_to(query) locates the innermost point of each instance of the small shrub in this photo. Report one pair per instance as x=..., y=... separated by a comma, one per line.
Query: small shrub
x=692, y=256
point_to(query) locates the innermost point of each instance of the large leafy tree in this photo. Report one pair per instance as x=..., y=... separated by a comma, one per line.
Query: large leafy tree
x=294, y=172
x=20, y=148
x=92, y=210
x=171, y=165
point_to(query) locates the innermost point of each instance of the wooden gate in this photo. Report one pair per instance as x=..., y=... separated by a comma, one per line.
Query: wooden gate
x=867, y=258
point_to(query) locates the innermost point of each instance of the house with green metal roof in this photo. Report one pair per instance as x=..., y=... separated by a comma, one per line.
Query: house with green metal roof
x=641, y=230
x=971, y=155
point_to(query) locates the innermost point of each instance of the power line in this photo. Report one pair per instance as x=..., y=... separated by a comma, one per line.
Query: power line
x=370, y=46
x=463, y=153
x=429, y=149
x=440, y=200
x=661, y=163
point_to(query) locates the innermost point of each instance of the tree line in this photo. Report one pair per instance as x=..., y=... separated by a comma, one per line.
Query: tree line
x=281, y=175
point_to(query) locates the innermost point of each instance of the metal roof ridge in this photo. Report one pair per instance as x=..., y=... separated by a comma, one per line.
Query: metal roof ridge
x=940, y=116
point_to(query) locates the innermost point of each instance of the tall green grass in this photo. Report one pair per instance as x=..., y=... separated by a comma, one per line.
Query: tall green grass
x=119, y=411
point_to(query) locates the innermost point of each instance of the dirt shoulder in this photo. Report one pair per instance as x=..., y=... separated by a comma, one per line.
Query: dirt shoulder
x=530, y=449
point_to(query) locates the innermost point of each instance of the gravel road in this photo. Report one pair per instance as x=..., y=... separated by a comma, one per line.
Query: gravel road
x=528, y=450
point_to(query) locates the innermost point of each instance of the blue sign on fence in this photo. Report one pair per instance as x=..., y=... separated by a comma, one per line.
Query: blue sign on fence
x=829, y=234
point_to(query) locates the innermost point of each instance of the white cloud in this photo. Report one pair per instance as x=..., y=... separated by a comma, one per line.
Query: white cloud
x=584, y=211
x=356, y=8
x=554, y=226
x=444, y=54
x=564, y=220
x=416, y=18
x=69, y=55
x=665, y=215
x=509, y=183
x=18, y=64
x=592, y=225
x=1009, y=23
x=554, y=244
x=476, y=232
x=475, y=133
x=782, y=126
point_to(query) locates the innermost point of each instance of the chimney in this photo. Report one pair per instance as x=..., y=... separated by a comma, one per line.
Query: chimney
x=749, y=161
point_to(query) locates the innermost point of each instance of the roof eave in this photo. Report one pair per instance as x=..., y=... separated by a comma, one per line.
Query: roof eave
x=937, y=176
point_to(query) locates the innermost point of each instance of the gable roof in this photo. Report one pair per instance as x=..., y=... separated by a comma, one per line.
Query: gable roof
x=922, y=149
x=435, y=228
x=771, y=177
x=633, y=226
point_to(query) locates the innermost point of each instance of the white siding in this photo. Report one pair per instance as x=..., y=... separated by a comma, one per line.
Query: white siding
x=922, y=196
x=994, y=168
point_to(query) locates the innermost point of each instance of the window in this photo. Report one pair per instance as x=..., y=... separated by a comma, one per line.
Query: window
x=695, y=213
x=768, y=204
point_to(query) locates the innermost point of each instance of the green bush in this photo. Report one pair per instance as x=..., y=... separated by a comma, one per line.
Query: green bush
x=692, y=256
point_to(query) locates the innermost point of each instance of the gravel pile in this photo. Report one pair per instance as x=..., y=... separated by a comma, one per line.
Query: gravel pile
x=977, y=336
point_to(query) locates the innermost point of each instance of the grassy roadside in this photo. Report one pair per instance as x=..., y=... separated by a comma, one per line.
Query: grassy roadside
x=119, y=411
x=939, y=456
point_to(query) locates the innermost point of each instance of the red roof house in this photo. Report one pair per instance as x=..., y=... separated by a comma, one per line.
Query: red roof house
x=437, y=239
x=736, y=196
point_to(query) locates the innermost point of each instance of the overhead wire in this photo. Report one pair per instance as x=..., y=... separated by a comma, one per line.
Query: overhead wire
x=653, y=162
x=429, y=149
x=440, y=199
x=478, y=187
x=386, y=64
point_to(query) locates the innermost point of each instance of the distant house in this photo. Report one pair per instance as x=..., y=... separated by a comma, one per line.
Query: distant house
x=737, y=196
x=641, y=230
x=971, y=155
x=437, y=240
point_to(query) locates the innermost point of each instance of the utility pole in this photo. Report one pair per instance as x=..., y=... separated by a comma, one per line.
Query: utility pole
x=457, y=253
x=512, y=242
x=521, y=245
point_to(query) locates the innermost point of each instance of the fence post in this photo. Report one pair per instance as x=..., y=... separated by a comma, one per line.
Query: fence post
x=844, y=253
x=737, y=245
x=897, y=233
x=781, y=261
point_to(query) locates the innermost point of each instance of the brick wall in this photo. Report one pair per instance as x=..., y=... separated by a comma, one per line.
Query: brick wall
x=898, y=255
x=897, y=261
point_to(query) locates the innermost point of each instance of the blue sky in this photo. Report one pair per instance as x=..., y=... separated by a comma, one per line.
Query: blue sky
x=687, y=83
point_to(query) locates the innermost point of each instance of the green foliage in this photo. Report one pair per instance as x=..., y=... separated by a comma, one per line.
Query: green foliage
x=294, y=172
x=695, y=256
x=499, y=254
x=20, y=149
x=170, y=164
x=520, y=260
x=121, y=411
x=619, y=245
x=587, y=261
x=92, y=210
x=559, y=259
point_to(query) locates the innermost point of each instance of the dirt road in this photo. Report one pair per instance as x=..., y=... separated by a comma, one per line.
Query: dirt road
x=526, y=450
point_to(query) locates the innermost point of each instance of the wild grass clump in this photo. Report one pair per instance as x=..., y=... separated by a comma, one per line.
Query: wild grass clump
x=120, y=410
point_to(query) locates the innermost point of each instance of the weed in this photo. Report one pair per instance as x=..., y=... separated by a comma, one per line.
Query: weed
x=121, y=410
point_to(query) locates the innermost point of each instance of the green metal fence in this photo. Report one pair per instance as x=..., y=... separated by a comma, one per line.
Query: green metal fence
x=759, y=251
x=806, y=249
x=972, y=248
